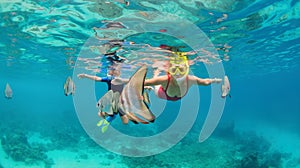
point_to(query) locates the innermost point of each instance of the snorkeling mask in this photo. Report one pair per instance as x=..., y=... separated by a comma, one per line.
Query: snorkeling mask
x=179, y=65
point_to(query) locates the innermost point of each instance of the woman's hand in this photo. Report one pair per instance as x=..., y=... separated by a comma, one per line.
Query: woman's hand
x=216, y=80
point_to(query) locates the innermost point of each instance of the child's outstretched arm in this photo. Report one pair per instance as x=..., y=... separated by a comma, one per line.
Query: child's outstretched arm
x=95, y=78
x=119, y=81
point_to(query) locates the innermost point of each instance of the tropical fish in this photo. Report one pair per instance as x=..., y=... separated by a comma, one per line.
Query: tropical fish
x=108, y=103
x=8, y=91
x=226, y=88
x=69, y=87
x=132, y=102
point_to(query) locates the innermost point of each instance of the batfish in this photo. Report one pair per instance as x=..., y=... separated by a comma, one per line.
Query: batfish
x=69, y=87
x=132, y=101
x=8, y=92
x=226, y=88
x=108, y=103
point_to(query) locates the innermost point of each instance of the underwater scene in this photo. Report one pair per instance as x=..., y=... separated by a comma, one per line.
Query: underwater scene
x=150, y=84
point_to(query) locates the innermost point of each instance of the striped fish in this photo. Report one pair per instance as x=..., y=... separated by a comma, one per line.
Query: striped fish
x=69, y=87
x=108, y=103
x=132, y=101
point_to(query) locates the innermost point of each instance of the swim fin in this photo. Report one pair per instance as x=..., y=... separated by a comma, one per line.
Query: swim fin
x=103, y=124
x=100, y=123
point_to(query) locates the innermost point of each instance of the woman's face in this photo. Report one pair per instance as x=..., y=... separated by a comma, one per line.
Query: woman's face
x=178, y=70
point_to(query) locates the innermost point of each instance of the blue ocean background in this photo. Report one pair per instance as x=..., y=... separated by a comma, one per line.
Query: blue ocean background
x=260, y=126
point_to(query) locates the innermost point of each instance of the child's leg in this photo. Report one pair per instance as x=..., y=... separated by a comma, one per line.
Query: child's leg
x=101, y=114
x=124, y=118
x=110, y=118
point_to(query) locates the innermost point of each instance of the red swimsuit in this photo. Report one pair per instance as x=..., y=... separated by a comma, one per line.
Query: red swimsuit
x=162, y=93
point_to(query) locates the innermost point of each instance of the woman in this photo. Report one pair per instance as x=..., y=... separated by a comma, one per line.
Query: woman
x=177, y=82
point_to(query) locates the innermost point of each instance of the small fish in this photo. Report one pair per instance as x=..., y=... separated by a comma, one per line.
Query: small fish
x=69, y=87
x=226, y=88
x=108, y=103
x=8, y=91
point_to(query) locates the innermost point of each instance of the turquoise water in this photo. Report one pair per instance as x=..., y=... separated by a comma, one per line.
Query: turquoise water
x=257, y=43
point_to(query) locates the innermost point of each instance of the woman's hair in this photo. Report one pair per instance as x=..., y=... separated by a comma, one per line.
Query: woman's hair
x=179, y=59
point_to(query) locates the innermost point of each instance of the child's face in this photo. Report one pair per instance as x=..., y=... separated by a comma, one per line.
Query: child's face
x=114, y=72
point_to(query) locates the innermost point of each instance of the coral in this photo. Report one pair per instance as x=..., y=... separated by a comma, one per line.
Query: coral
x=250, y=161
x=257, y=152
x=250, y=142
x=17, y=147
x=262, y=159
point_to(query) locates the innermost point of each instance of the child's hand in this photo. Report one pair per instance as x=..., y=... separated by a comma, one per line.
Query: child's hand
x=81, y=76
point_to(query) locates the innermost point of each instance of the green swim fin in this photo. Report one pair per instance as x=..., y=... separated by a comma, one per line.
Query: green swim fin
x=100, y=123
x=104, y=124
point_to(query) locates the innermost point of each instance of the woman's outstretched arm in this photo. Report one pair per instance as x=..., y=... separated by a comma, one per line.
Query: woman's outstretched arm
x=159, y=80
x=200, y=81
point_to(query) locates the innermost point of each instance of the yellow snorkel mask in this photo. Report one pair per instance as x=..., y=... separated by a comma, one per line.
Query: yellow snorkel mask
x=179, y=64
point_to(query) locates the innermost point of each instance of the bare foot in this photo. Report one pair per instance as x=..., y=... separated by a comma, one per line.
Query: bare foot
x=124, y=119
x=101, y=114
